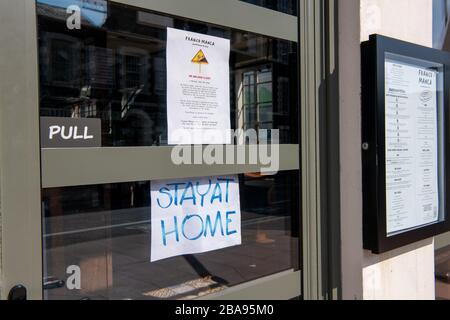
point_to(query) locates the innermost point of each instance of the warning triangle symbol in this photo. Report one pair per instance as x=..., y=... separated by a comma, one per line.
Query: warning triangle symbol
x=200, y=58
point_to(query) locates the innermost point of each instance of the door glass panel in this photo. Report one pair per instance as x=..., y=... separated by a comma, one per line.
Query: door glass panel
x=105, y=231
x=113, y=69
x=97, y=238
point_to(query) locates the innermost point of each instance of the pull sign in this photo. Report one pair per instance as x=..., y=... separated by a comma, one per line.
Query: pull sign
x=70, y=132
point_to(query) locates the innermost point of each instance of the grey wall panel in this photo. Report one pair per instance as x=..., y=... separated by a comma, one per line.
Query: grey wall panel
x=282, y=286
x=19, y=148
x=80, y=166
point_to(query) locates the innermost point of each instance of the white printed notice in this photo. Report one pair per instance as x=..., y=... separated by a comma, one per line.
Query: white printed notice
x=412, y=194
x=198, y=88
x=194, y=215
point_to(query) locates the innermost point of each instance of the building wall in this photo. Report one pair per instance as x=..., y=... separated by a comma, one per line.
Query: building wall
x=406, y=273
x=1, y=277
x=350, y=149
x=409, y=20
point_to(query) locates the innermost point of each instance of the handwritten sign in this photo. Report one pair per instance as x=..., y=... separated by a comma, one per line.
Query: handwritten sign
x=194, y=215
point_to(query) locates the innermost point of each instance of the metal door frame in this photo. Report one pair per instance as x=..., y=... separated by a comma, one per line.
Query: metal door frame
x=20, y=163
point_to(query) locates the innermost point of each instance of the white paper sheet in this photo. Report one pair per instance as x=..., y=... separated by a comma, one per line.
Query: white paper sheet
x=412, y=194
x=198, y=88
x=194, y=215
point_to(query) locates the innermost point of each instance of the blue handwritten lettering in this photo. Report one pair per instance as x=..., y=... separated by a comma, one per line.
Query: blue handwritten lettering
x=202, y=195
x=189, y=186
x=165, y=233
x=212, y=229
x=185, y=220
x=167, y=193
x=217, y=195
x=227, y=186
x=228, y=221
x=176, y=185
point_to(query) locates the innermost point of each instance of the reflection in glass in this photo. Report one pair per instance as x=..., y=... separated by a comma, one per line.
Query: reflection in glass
x=442, y=270
x=285, y=6
x=258, y=98
x=93, y=12
x=106, y=231
x=114, y=69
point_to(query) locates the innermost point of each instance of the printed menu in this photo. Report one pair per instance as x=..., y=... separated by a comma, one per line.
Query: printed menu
x=411, y=125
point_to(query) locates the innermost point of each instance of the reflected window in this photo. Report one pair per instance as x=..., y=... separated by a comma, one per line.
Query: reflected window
x=285, y=6
x=132, y=71
x=258, y=99
x=63, y=58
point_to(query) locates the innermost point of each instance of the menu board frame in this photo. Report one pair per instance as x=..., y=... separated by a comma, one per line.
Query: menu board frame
x=374, y=154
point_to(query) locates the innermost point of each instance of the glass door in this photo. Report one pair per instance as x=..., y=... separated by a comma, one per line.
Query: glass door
x=96, y=200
